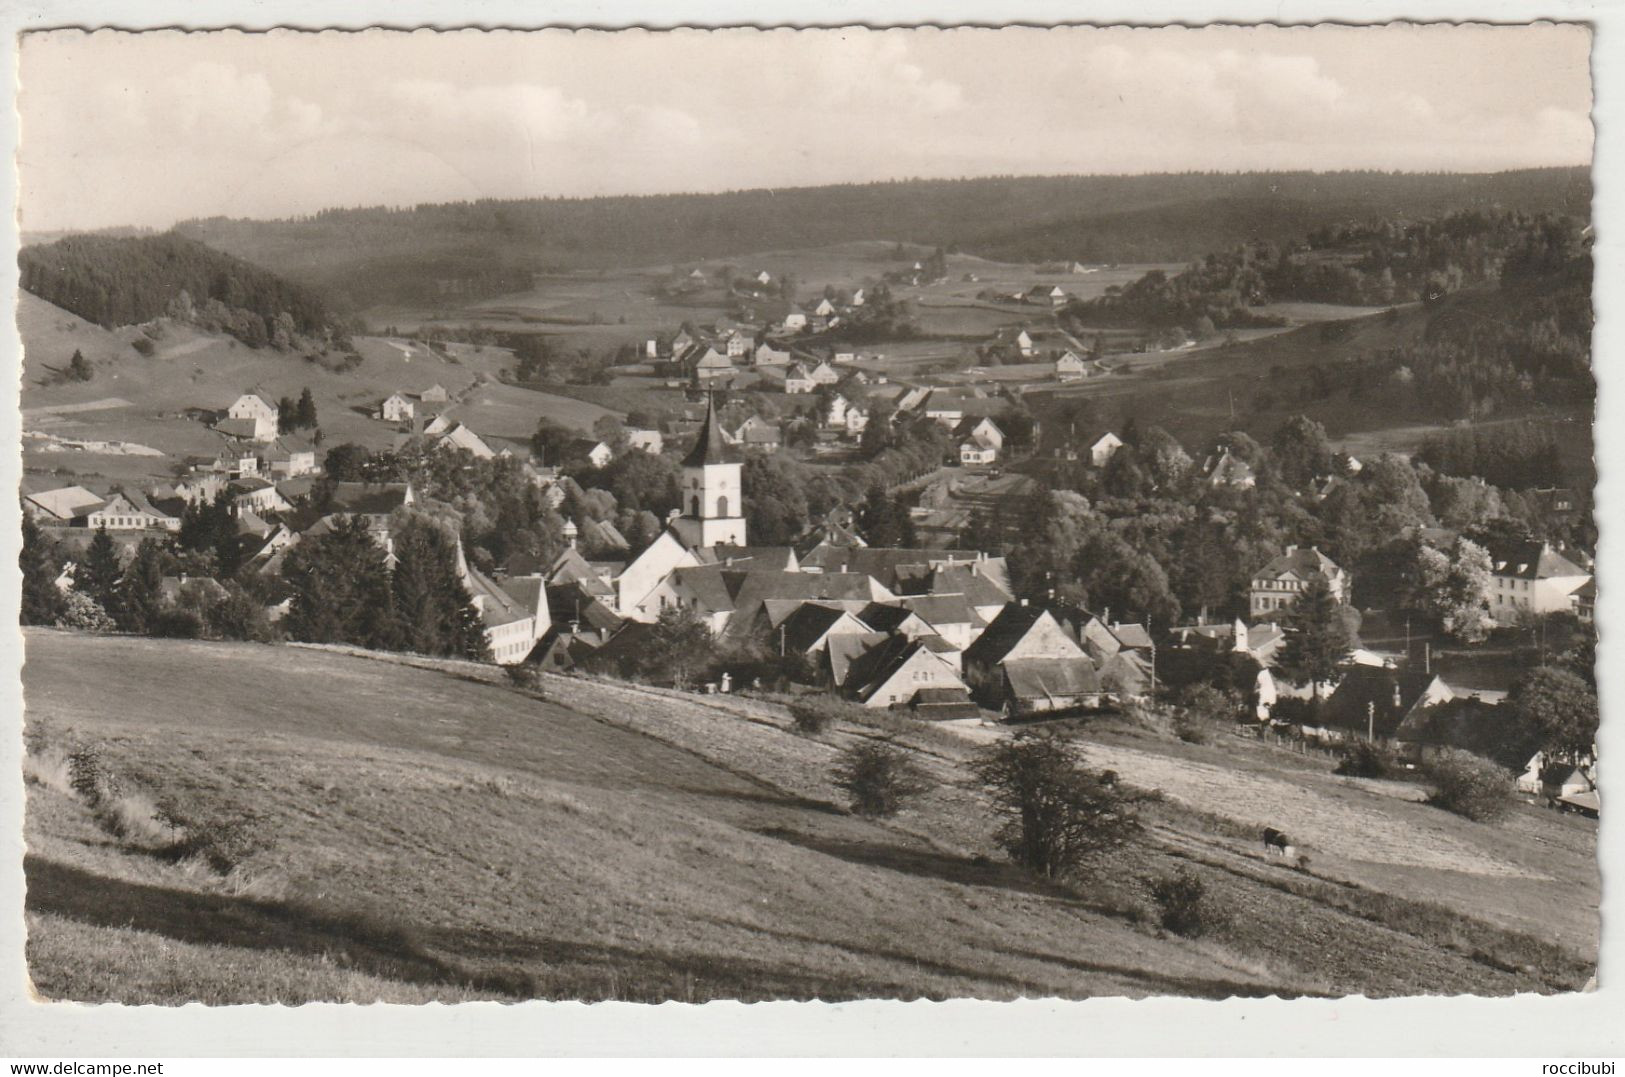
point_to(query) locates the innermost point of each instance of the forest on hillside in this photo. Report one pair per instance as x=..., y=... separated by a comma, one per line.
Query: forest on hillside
x=1375, y=263
x=470, y=249
x=128, y=280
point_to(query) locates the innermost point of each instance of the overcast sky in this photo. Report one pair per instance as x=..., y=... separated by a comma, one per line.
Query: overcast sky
x=146, y=129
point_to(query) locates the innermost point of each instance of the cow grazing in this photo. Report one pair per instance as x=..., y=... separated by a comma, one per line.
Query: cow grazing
x=1275, y=839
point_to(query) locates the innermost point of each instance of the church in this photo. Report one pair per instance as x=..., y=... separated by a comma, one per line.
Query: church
x=713, y=507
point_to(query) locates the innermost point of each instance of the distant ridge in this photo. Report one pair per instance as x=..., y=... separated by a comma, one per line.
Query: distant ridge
x=485, y=247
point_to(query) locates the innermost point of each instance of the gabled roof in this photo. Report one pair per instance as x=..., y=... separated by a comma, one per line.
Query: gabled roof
x=572, y=601
x=881, y=562
x=806, y=627
x=1050, y=678
x=1133, y=636
x=67, y=502
x=844, y=650
x=497, y=607
x=942, y=610
x=877, y=665
x=1389, y=694
x=1530, y=561
x=1301, y=562
x=886, y=617
x=1006, y=630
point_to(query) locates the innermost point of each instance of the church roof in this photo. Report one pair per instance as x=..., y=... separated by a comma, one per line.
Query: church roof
x=711, y=447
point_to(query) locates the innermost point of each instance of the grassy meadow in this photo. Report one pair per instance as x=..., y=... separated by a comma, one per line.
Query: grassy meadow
x=408, y=830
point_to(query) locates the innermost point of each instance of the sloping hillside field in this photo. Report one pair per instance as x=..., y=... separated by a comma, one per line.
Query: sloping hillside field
x=367, y=828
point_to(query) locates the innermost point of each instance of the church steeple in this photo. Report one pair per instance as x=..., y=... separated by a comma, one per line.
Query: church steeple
x=713, y=511
x=711, y=447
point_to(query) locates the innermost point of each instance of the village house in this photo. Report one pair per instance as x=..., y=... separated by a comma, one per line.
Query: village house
x=1045, y=296
x=945, y=407
x=980, y=428
x=459, y=436
x=514, y=613
x=897, y=670
x=797, y=380
x=1104, y=448
x=65, y=504
x=256, y=495
x=128, y=510
x=857, y=420
x=794, y=321
x=767, y=355
x=824, y=374
x=809, y=628
x=1531, y=578
x=1070, y=367
x=1224, y=468
x=249, y=418
x=289, y=457
x=977, y=451
x=396, y=408
x=1278, y=584
x=435, y=394
x=649, y=441
x=737, y=344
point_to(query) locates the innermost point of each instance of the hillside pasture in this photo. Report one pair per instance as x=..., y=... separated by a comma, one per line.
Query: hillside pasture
x=612, y=841
x=145, y=400
x=524, y=847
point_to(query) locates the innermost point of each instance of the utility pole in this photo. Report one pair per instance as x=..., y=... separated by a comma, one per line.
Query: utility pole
x=1371, y=721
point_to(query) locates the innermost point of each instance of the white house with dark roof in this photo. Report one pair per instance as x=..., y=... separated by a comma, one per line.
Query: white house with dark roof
x=1278, y=584
x=1104, y=448
x=250, y=417
x=1531, y=578
x=129, y=510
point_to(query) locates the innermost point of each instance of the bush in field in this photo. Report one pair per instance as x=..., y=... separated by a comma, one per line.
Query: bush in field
x=1470, y=786
x=81, y=612
x=1058, y=814
x=89, y=775
x=178, y=623
x=879, y=778
x=1362, y=759
x=815, y=714
x=526, y=678
x=222, y=842
x=1182, y=905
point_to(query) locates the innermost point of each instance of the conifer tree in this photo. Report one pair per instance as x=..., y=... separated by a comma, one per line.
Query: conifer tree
x=1320, y=636
x=42, y=603
x=139, y=596
x=340, y=586
x=100, y=573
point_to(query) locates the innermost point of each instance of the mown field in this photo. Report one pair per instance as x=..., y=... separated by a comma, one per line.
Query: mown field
x=139, y=399
x=421, y=830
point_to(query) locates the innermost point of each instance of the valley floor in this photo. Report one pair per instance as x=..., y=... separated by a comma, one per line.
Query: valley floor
x=421, y=830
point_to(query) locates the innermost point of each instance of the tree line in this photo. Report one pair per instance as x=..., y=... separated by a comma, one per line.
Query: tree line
x=128, y=280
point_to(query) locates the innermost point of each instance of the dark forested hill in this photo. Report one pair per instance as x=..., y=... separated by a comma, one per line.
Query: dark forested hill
x=125, y=280
x=480, y=248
